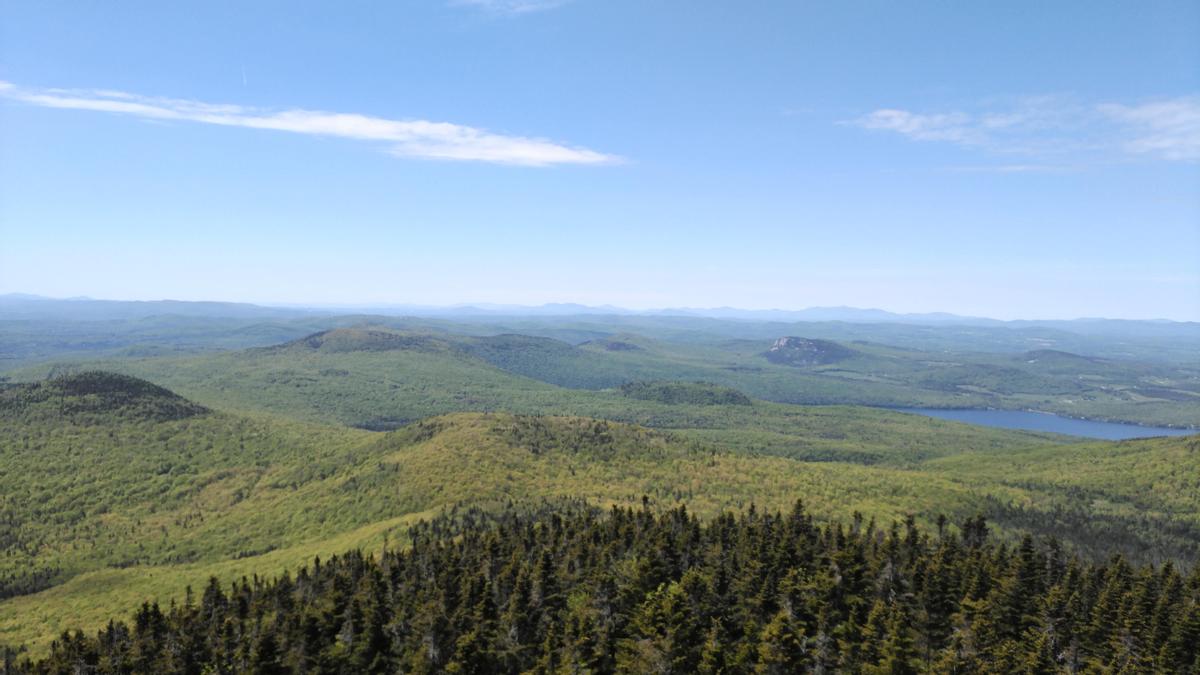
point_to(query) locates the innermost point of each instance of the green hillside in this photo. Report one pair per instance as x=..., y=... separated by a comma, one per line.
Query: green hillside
x=1139, y=495
x=412, y=374
x=95, y=475
x=114, y=490
x=382, y=380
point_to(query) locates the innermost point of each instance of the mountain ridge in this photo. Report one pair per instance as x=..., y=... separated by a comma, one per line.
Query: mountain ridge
x=28, y=304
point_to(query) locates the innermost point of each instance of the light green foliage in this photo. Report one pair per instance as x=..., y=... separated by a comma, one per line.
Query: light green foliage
x=1101, y=493
x=104, y=498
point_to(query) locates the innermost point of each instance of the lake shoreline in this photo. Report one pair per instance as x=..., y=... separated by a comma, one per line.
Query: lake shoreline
x=1043, y=421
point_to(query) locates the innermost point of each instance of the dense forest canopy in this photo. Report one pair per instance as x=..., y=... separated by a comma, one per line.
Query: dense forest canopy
x=565, y=588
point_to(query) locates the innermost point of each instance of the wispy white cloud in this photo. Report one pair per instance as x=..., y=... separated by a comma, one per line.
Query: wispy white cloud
x=511, y=6
x=1168, y=129
x=1055, y=126
x=404, y=138
x=955, y=127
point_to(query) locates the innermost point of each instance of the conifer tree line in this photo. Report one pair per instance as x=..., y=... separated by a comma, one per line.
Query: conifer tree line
x=563, y=588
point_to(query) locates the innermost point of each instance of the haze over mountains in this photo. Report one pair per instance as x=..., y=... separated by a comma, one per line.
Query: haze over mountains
x=22, y=305
x=1104, y=370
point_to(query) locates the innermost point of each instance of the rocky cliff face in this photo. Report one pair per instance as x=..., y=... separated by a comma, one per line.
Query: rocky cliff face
x=798, y=351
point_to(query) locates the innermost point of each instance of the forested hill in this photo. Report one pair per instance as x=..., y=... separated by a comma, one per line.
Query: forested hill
x=568, y=589
x=91, y=397
x=375, y=376
x=114, y=490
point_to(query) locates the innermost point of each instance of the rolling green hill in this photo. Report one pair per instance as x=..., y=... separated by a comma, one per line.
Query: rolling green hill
x=114, y=490
x=411, y=374
x=1138, y=495
x=381, y=380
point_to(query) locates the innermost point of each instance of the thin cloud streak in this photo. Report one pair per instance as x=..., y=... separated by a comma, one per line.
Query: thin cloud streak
x=406, y=138
x=1169, y=129
x=1013, y=168
x=511, y=6
x=954, y=127
x=1056, y=126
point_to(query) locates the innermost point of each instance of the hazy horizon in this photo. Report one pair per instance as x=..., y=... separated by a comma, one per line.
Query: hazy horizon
x=1017, y=160
x=592, y=308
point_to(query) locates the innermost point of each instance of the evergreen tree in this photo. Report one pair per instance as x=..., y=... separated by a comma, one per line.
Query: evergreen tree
x=713, y=653
x=781, y=646
x=897, y=654
x=1182, y=649
x=563, y=589
x=264, y=656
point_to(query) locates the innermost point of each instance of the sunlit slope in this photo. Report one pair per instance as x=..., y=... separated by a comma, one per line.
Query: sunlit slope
x=89, y=600
x=114, y=489
x=464, y=459
x=1141, y=496
x=106, y=502
x=104, y=470
x=94, y=474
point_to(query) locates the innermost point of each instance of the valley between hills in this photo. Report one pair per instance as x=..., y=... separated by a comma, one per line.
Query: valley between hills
x=129, y=478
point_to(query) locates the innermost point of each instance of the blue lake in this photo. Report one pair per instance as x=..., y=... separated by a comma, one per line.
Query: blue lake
x=1032, y=421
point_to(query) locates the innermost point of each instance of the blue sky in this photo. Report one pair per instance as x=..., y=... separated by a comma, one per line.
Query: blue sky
x=1016, y=159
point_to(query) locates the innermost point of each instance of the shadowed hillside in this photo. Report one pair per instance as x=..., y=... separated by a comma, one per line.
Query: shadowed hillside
x=96, y=395
x=341, y=340
x=696, y=393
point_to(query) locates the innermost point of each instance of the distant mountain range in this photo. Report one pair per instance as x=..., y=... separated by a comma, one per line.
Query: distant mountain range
x=25, y=306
